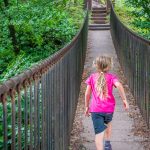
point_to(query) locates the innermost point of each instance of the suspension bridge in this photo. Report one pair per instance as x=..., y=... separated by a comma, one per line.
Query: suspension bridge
x=43, y=100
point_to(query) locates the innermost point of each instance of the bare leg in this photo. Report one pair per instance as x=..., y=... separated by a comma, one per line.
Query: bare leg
x=108, y=132
x=99, y=140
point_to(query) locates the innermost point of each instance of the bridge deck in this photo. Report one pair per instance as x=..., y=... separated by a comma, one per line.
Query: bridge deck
x=123, y=133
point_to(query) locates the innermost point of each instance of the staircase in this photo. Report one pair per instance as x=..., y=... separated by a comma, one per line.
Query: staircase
x=98, y=19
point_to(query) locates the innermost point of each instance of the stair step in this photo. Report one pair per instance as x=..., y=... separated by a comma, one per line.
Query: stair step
x=99, y=28
x=99, y=15
x=99, y=8
x=99, y=21
x=99, y=25
x=98, y=18
x=98, y=11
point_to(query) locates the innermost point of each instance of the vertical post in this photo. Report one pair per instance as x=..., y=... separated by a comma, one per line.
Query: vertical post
x=13, y=118
x=35, y=112
x=108, y=6
x=26, y=116
x=19, y=116
x=31, y=116
x=4, y=101
x=88, y=4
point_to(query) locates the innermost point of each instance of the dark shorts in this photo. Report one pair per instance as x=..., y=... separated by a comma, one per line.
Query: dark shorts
x=100, y=121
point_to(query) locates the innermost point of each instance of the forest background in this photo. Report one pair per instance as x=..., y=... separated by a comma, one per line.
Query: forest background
x=33, y=30
x=135, y=14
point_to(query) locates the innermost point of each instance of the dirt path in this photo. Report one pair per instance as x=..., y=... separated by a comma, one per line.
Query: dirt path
x=129, y=130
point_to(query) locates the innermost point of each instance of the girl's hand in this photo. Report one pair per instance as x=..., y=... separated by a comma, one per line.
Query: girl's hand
x=126, y=105
x=87, y=112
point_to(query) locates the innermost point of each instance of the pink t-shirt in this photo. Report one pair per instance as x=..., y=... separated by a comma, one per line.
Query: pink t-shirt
x=102, y=105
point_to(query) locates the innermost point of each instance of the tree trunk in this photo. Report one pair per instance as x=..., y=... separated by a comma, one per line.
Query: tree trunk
x=12, y=33
x=6, y=3
x=14, y=39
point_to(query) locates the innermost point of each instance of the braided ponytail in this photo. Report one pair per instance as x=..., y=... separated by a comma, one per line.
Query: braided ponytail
x=103, y=64
x=101, y=86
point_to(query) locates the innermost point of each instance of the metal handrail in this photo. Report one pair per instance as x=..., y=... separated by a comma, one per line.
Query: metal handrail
x=39, y=104
x=42, y=67
x=133, y=52
x=126, y=28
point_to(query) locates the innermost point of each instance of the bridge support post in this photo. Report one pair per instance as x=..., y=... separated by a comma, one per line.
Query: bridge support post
x=88, y=4
x=108, y=6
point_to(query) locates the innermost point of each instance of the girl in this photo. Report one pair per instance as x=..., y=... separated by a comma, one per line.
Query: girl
x=102, y=105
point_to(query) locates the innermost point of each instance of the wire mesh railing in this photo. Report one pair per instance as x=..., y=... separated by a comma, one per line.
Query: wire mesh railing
x=38, y=106
x=133, y=52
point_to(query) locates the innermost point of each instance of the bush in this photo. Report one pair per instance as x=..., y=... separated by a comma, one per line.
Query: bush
x=41, y=28
x=135, y=16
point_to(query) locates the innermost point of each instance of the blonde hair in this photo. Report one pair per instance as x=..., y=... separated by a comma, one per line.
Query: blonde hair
x=103, y=65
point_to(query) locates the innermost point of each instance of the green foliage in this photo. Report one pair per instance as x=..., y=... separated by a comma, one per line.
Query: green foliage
x=135, y=15
x=142, y=7
x=41, y=28
x=9, y=122
x=102, y=2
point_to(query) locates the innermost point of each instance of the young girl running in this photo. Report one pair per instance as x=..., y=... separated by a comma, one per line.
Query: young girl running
x=100, y=84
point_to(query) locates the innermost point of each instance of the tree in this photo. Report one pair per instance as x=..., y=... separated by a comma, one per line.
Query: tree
x=142, y=5
x=12, y=31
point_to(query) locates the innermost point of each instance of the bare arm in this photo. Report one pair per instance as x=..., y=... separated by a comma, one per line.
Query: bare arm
x=87, y=95
x=122, y=94
x=87, y=99
x=121, y=90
